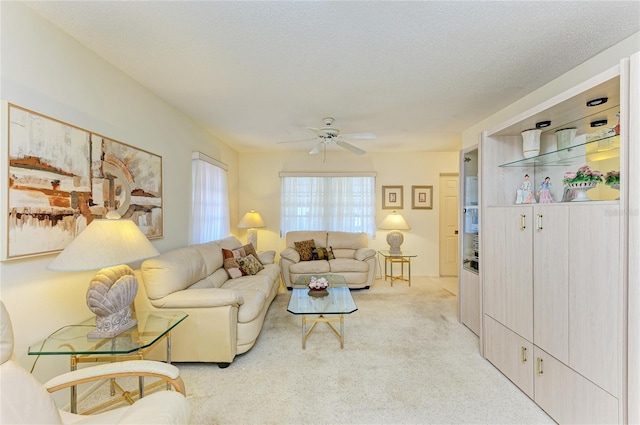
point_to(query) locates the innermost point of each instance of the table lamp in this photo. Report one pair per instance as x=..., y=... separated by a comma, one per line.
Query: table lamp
x=394, y=222
x=251, y=221
x=109, y=243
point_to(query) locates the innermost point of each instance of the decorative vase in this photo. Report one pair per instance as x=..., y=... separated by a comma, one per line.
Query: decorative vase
x=318, y=293
x=615, y=186
x=531, y=142
x=565, y=138
x=580, y=189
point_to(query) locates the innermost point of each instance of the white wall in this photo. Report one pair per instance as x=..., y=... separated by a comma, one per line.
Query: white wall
x=592, y=67
x=260, y=185
x=45, y=70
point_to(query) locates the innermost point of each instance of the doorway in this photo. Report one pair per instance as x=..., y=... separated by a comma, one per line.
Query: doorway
x=449, y=224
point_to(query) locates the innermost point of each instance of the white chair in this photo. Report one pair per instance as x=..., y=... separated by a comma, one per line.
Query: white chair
x=24, y=400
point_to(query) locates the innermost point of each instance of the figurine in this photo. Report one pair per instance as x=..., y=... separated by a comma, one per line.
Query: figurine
x=525, y=193
x=544, y=195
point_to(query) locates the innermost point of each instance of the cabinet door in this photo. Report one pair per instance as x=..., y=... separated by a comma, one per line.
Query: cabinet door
x=510, y=353
x=507, y=272
x=551, y=280
x=568, y=397
x=470, y=304
x=595, y=294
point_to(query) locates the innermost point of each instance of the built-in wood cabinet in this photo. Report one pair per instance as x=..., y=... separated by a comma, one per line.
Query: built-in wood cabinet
x=552, y=279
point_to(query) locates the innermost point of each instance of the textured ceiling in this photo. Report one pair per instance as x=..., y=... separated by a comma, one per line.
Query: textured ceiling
x=414, y=73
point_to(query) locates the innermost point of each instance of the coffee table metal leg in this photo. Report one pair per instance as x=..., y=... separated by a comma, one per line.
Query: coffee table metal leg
x=342, y=331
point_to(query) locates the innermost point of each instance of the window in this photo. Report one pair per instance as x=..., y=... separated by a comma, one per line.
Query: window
x=328, y=202
x=210, y=215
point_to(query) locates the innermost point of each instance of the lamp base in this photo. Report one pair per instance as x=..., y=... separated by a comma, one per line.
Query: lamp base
x=252, y=237
x=395, y=239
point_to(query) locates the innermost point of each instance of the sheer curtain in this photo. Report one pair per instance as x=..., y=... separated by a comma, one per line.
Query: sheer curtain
x=210, y=217
x=336, y=203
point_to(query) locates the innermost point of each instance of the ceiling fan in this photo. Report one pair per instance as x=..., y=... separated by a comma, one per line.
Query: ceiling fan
x=329, y=134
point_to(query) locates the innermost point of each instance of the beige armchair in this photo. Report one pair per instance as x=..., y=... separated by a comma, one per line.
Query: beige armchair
x=24, y=400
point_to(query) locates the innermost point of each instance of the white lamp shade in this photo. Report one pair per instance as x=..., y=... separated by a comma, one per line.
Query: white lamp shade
x=394, y=221
x=105, y=243
x=251, y=220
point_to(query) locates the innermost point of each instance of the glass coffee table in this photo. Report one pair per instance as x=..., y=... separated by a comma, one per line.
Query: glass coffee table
x=338, y=301
x=133, y=344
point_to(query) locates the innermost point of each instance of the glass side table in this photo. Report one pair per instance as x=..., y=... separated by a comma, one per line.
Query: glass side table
x=133, y=344
x=402, y=259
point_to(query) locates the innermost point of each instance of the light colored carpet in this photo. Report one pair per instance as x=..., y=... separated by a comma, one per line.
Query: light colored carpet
x=406, y=360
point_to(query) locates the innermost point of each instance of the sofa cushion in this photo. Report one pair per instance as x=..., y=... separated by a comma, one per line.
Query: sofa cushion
x=347, y=240
x=305, y=249
x=250, y=265
x=214, y=280
x=172, y=271
x=319, y=237
x=253, y=303
x=309, y=267
x=267, y=257
x=229, y=243
x=212, y=254
x=341, y=265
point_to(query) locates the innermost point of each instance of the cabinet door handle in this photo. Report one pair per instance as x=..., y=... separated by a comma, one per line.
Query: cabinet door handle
x=539, y=221
x=522, y=221
x=540, y=371
x=523, y=352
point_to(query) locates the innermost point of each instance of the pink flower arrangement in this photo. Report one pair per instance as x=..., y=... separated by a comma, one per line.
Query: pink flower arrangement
x=612, y=177
x=318, y=284
x=584, y=174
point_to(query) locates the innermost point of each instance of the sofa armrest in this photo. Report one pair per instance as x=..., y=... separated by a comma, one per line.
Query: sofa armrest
x=267, y=257
x=198, y=298
x=291, y=255
x=362, y=254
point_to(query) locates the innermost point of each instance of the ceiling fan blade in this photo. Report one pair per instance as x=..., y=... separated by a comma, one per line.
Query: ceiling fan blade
x=317, y=148
x=350, y=147
x=301, y=140
x=360, y=136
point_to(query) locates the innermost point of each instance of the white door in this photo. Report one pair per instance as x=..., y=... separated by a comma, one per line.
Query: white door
x=448, y=225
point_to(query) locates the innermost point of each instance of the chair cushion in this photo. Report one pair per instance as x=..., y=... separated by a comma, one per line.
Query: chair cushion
x=23, y=399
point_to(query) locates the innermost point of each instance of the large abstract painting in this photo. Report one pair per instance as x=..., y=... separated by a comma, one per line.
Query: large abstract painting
x=61, y=177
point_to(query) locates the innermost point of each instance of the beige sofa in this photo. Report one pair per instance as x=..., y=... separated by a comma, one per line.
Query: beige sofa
x=353, y=258
x=225, y=315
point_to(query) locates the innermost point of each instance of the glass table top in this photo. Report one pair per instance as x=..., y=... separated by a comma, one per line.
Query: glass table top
x=386, y=253
x=72, y=339
x=338, y=300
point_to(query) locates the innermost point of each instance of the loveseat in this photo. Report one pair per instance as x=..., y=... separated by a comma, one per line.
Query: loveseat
x=226, y=313
x=343, y=253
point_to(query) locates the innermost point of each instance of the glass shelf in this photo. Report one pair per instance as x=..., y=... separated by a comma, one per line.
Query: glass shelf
x=594, y=149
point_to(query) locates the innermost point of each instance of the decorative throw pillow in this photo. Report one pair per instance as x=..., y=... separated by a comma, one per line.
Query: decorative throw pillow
x=232, y=267
x=322, y=254
x=250, y=265
x=305, y=249
x=250, y=250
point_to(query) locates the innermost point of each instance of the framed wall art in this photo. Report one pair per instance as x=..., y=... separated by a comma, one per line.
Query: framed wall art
x=392, y=198
x=61, y=177
x=422, y=197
